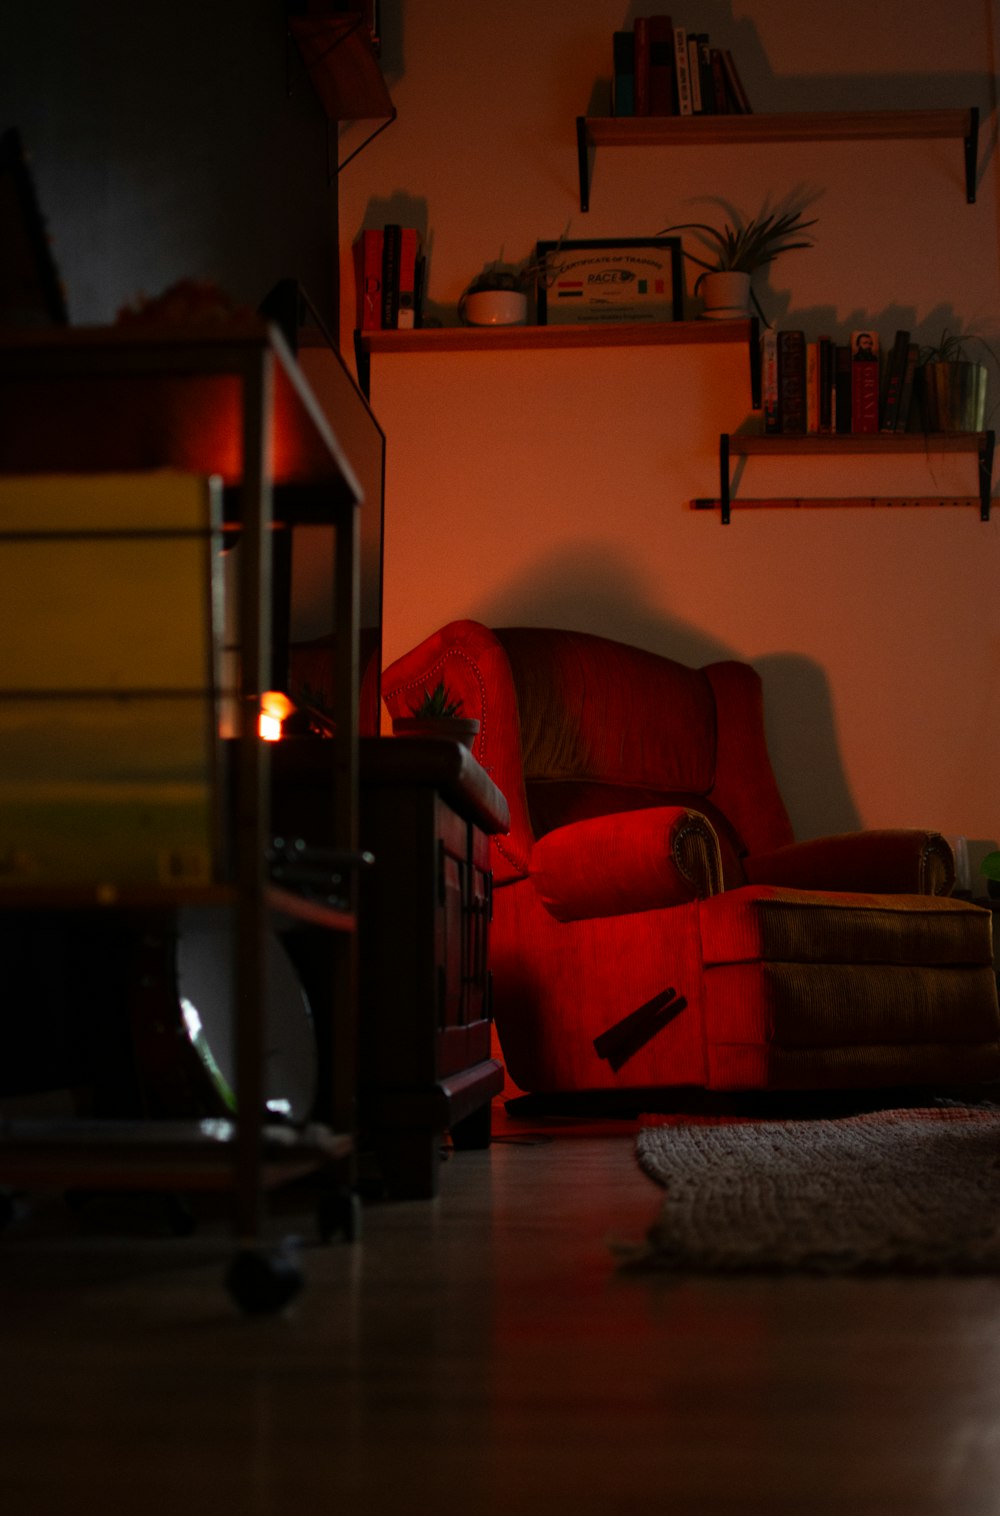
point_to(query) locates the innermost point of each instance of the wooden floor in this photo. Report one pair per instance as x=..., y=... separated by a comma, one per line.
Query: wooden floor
x=484, y=1353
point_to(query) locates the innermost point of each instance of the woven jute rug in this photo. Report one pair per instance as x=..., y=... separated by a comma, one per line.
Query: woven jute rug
x=911, y=1191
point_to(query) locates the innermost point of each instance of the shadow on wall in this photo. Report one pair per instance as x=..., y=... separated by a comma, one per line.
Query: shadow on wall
x=588, y=590
x=802, y=739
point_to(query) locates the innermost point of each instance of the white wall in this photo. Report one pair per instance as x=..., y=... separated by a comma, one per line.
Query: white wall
x=555, y=488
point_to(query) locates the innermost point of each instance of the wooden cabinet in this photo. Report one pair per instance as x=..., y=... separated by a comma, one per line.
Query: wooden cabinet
x=224, y=401
x=428, y=811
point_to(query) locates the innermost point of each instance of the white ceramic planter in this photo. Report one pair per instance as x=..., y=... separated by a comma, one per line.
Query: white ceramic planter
x=494, y=308
x=463, y=729
x=726, y=296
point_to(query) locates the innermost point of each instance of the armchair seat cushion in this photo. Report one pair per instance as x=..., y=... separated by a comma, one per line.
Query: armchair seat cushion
x=765, y=923
x=815, y=989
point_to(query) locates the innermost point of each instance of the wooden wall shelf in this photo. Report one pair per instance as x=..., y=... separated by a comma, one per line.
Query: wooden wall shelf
x=755, y=444
x=439, y=339
x=492, y=339
x=792, y=126
x=341, y=63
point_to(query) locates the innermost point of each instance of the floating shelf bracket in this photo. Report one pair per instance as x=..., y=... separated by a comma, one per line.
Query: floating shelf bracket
x=986, y=446
x=972, y=155
x=583, y=161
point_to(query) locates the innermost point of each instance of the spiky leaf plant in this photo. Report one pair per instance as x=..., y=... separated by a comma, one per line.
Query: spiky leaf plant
x=436, y=703
x=742, y=249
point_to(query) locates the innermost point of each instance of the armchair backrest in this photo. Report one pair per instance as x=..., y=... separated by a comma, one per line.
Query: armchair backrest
x=576, y=725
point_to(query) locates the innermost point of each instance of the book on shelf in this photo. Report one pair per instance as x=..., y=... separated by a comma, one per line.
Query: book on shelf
x=406, y=304
x=663, y=96
x=705, y=84
x=819, y=385
x=769, y=380
x=719, y=89
x=391, y=239
x=841, y=387
x=659, y=69
x=906, y=387
x=419, y=283
x=812, y=386
x=623, y=74
x=685, y=102
x=892, y=381
x=825, y=361
x=739, y=100
x=368, y=279
x=640, y=42
x=694, y=74
x=792, y=381
x=388, y=268
x=864, y=381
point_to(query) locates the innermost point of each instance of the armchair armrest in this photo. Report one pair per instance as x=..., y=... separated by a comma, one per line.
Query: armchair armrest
x=899, y=862
x=629, y=861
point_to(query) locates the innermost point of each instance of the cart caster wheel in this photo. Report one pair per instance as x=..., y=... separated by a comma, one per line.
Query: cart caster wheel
x=263, y=1282
x=339, y=1215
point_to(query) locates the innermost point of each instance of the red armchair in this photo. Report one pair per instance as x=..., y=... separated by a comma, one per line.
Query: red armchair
x=656, y=924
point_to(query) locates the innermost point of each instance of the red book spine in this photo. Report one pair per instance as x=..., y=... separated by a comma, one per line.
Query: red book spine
x=368, y=280
x=864, y=382
x=662, y=84
x=769, y=380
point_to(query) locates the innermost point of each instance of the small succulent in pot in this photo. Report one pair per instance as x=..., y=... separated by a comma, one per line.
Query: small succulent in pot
x=436, y=704
x=437, y=714
x=498, y=296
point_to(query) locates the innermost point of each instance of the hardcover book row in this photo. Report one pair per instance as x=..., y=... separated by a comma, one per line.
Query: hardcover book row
x=825, y=386
x=664, y=70
x=388, y=277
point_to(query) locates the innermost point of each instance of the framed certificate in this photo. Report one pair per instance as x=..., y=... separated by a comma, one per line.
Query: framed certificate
x=627, y=279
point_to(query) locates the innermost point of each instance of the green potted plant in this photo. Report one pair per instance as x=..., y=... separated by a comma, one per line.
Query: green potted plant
x=499, y=295
x=734, y=254
x=951, y=383
x=990, y=866
x=437, y=714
